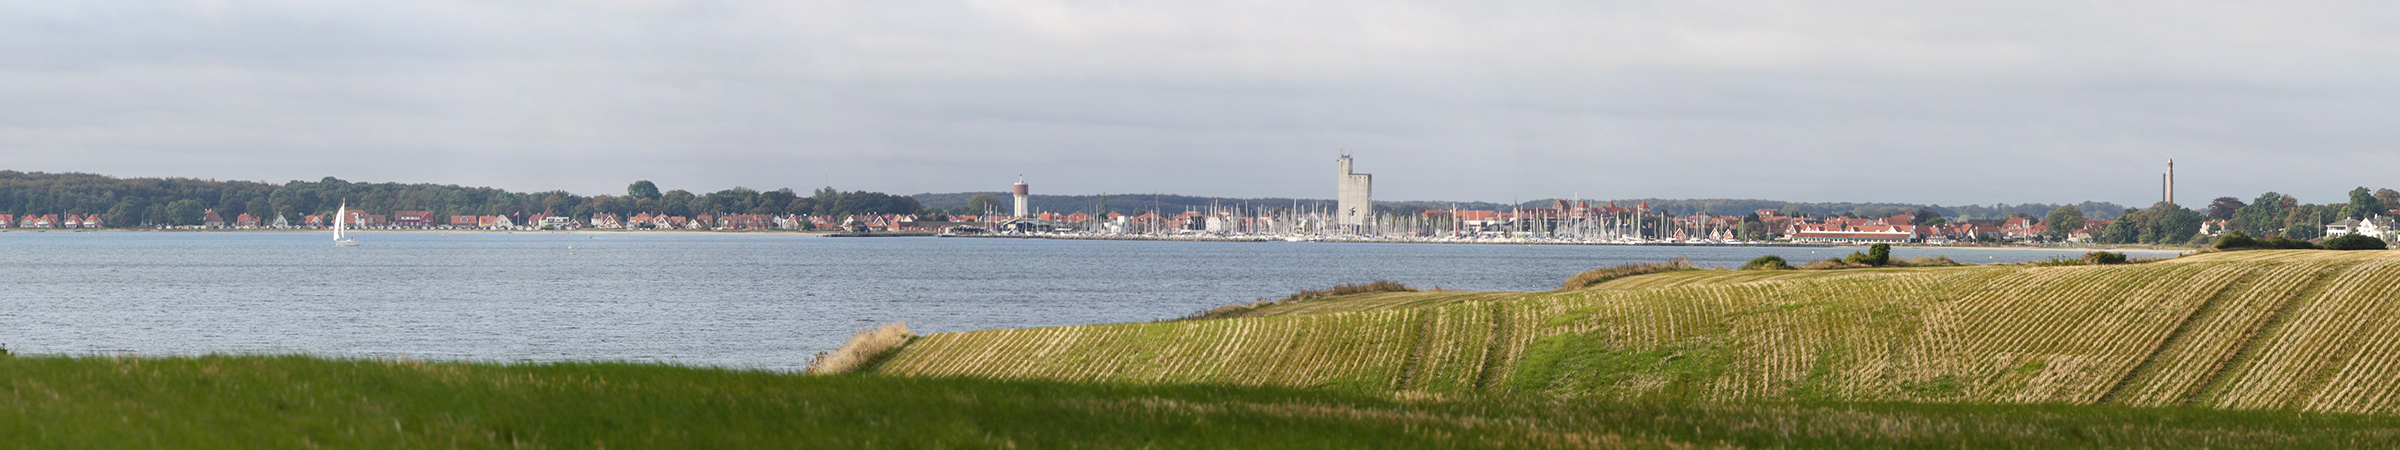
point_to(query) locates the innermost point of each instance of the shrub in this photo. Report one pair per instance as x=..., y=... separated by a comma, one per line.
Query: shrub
x=1928, y=261
x=2355, y=242
x=1769, y=262
x=2237, y=241
x=862, y=348
x=1597, y=276
x=2104, y=258
x=1877, y=255
x=1835, y=263
x=1365, y=288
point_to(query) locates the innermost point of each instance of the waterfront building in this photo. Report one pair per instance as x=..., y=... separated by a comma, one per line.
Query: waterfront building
x=412, y=219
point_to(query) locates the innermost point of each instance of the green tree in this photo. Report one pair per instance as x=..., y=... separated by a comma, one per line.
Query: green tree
x=2305, y=221
x=2262, y=217
x=2063, y=221
x=184, y=212
x=2224, y=208
x=643, y=189
x=1752, y=228
x=2363, y=204
x=984, y=204
x=1927, y=217
x=127, y=213
x=2168, y=223
x=678, y=203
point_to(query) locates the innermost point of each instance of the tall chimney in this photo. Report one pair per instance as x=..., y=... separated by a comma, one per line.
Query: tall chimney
x=2170, y=181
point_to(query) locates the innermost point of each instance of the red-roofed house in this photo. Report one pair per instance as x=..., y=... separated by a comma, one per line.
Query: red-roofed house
x=412, y=219
x=2020, y=228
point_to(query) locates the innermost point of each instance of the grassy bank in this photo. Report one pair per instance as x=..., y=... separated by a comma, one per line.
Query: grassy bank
x=300, y=402
x=2260, y=330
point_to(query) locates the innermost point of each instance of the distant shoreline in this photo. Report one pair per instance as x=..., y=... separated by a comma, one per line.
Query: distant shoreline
x=329, y=231
x=822, y=233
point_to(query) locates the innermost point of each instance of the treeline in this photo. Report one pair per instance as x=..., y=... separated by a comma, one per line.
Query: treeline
x=146, y=202
x=2271, y=215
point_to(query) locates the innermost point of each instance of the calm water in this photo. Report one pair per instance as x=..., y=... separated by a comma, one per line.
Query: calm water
x=750, y=301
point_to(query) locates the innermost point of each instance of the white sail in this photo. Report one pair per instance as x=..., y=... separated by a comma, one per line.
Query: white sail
x=339, y=214
x=337, y=220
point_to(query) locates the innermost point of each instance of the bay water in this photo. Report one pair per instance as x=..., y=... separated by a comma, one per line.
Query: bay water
x=754, y=301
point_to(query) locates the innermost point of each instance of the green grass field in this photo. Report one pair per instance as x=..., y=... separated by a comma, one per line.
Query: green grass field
x=301, y=402
x=2265, y=330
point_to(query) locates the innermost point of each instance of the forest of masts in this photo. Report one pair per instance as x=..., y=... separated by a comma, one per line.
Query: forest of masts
x=1299, y=221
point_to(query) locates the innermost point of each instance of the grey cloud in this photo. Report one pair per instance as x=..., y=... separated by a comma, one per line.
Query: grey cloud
x=1942, y=102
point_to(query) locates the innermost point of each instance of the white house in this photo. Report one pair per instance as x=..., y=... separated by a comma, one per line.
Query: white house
x=2341, y=227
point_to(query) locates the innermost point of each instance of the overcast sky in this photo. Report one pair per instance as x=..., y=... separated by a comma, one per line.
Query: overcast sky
x=1901, y=101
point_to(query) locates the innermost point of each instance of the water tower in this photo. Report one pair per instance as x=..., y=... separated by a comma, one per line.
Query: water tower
x=1024, y=198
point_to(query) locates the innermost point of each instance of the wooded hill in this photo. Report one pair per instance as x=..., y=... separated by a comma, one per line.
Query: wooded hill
x=145, y=202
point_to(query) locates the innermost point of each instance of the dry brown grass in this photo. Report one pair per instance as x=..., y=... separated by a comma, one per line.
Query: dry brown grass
x=863, y=347
x=1237, y=310
x=1597, y=276
x=1921, y=261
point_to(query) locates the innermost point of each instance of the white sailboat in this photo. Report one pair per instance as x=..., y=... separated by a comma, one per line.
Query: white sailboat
x=338, y=217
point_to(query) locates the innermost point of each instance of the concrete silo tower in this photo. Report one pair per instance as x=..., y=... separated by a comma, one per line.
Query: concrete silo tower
x=1024, y=198
x=1354, y=196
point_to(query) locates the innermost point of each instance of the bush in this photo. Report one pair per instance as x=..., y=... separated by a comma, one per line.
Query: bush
x=1356, y=288
x=2237, y=241
x=2355, y=242
x=1769, y=262
x=1877, y=255
x=2279, y=242
x=1835, y=263
x=2104, y=258
x=1927, y=261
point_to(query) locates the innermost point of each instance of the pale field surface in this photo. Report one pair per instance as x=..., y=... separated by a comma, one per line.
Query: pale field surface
x=2282, y=330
